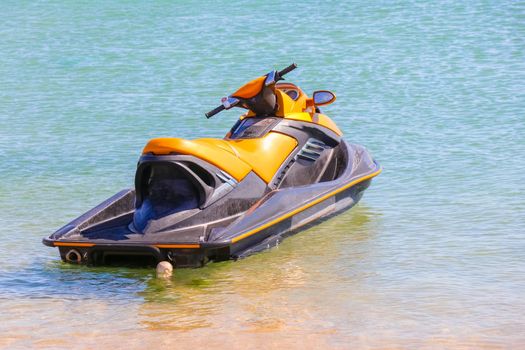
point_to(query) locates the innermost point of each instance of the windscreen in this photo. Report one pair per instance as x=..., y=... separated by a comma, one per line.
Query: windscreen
x=253, y=127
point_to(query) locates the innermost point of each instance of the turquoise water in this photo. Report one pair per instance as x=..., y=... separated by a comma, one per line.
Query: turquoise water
x=434, y=255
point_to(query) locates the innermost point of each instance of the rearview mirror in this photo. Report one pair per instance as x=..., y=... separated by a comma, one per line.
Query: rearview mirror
x=323, y=97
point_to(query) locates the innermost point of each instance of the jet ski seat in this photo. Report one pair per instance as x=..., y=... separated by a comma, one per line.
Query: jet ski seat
x=238, y=157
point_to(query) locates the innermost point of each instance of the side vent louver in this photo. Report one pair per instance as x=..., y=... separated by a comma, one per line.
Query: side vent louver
x=311, y=150
x=283, y=172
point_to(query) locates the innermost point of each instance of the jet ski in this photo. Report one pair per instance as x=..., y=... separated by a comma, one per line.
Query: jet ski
x=282, y=166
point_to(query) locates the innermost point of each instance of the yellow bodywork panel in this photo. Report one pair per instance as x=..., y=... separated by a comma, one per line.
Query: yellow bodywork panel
x=251, y=88
x=295, y=110
x=236, y=157
x=218, y=156
x=301, y=109
x=287, y=105
x=265, y=154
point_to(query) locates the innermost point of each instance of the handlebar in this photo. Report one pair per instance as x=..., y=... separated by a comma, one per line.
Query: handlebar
x=215, y=111
x=279, y=76
x=287, y=70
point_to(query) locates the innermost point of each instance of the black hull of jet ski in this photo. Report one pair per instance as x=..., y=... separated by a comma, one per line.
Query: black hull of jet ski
x=104, y=232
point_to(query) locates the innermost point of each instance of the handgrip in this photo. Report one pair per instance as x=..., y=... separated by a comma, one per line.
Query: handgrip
x=215, y=111
x=287, y=69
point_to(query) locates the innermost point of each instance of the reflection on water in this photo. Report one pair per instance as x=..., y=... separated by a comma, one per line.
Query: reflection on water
x=207, y=297
x=282, y=290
